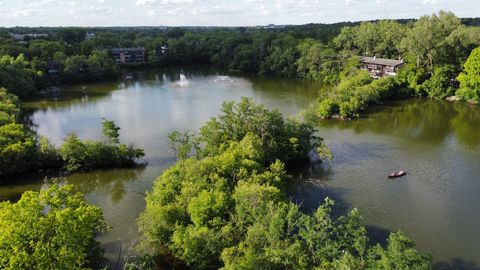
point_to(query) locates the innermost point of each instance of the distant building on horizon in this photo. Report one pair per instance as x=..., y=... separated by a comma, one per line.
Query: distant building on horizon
x=21, y=37
x=380, y=67
x=129, y=55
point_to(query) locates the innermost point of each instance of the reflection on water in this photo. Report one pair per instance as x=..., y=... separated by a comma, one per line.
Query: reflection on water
x=436, y=142
x=436, y=203
x=424, y=121
x=110, y=183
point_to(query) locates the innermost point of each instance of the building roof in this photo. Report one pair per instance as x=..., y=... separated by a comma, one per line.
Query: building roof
x=381, y=61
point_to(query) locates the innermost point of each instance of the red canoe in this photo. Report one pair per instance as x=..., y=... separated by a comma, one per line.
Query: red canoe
x=397, y=174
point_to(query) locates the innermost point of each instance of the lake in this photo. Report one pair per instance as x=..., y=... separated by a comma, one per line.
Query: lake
x=436, y=142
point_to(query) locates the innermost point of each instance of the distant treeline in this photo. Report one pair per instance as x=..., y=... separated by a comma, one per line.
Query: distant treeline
x=314, y=30
x=312, y=51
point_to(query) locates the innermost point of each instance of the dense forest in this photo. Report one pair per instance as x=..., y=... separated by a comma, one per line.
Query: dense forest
x=223, y=204
x=316, y=52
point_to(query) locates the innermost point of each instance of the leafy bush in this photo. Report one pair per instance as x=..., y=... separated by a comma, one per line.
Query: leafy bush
x=319, y=62
x=440, y=84
x=51, y=229
x=17, y=149
x=289, y=140
x=88, y=155
x=17, y=144
x=470, y=78
x=354, y=94
x=16, y=76
x=48, y=155
x=412, y=77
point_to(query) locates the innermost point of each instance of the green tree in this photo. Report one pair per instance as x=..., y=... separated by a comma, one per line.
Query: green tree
x=461, y=42
x=71, y=35
x=281, y=56
x=9, y=107
x=470, y=78
x=76, y=64
x=88, y=155
x=48, y=155
x=379, y=39
x=188, y=209
x=111, y=131
x=440, y=84
x=17, y=144
x=100, y=64
x=51, y=229
x=45, y=49
x=182, y=143
x=400, y=254
x=318, y=62
x=17, y=149
x=16, y=76
x=346, y=40
x=287, y=140
x=426, y=41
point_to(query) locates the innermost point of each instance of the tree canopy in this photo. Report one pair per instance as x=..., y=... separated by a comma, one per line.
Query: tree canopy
x=17, y=143
x=51, y=229
x=470, y=77
x=287, y=140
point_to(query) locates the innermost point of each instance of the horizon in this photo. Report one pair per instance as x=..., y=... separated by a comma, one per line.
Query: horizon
x=215, y=13
x=216, y=26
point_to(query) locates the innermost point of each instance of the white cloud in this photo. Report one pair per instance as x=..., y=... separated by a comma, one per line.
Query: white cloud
x=164, y=2
x=144, y=2
x=434, y=2
x=22, y=13
x=218, y=12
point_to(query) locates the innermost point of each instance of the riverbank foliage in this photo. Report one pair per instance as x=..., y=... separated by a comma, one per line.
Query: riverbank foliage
x=21, y=150
x=88, y=155
x=51, y=229
x=353, y=94
x=228, y=208
x=287, y=140
x=435, y=47
x=17, y=143
x=470, y=78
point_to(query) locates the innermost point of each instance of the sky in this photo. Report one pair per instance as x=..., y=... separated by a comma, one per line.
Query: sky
x=218, y=13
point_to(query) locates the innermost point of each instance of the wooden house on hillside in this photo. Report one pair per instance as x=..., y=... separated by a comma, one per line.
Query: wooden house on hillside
x=380, y=67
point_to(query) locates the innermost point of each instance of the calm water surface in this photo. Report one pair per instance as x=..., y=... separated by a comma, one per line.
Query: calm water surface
x=437, y=204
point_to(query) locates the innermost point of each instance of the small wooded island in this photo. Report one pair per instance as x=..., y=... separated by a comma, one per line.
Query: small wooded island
x=225, y=202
